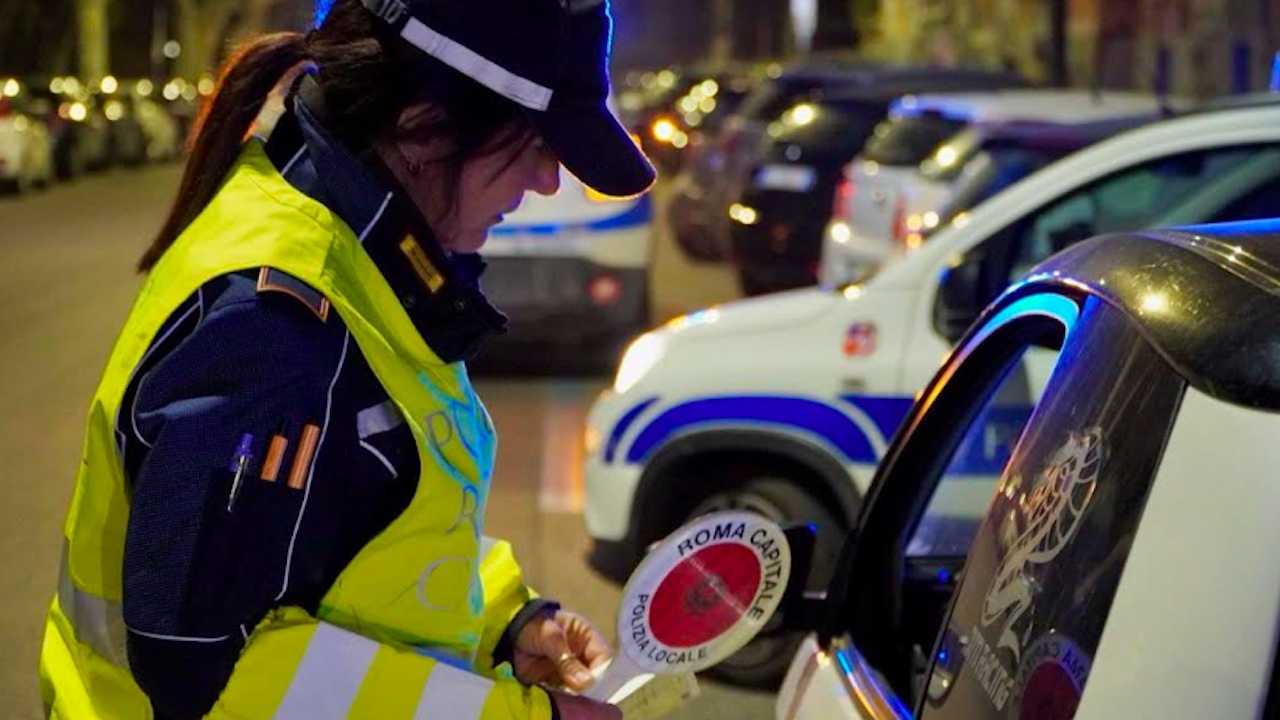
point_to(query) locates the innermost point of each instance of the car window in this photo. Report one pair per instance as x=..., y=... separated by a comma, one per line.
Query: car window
x=1260, y=203
x=909, y=139
x=949, y=159
x=1128, y=200
x=837, y=128
x=771, y=98
x=1048, y=556
x=991, y=171
x=964, y=491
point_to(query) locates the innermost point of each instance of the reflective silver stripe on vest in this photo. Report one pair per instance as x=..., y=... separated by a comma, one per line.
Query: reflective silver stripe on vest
x=452, y=693
x=487, y=544
x=329, y=676
x=96, y=621
x=333, y=668
x=378, y=419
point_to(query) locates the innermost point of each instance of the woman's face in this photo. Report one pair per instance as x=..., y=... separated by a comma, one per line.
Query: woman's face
x=491, y=186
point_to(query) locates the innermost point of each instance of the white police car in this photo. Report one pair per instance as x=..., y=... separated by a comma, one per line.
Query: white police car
x=935, y=151
x=785, y=405
x=1122, y=562
x=572, y=270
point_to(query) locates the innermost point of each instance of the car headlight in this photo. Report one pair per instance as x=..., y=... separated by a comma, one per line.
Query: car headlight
x=640, y=358
x=592, y=441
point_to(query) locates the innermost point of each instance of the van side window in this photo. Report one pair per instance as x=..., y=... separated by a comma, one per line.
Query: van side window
x=1048, y=556
x=1260, y=203
x=1128, y=200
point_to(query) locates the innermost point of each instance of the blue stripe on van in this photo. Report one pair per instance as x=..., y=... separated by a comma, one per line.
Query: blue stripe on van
x=809, y=416
x=640, y=213
x=615, y=436
x=982, y=453
x=887, y=412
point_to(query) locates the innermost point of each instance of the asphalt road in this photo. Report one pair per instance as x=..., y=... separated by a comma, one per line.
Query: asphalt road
x=65, y=286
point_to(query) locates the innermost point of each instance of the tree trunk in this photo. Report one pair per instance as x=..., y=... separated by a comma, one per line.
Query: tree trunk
x=253, y=19
x=1058, y=75
x=202, y=26
x=722, y=32
x=91, y=26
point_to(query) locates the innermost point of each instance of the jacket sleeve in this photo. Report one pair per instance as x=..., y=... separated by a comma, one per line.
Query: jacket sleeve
x=295, y=667
x=505, y=596
x=207, y=556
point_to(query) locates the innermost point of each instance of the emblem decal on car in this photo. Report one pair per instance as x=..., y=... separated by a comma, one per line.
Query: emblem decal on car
x=1048, y=520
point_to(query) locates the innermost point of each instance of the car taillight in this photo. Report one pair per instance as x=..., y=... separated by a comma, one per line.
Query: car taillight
x=6, y=108
x=843, y=207
x=604, y=290
x=899, y=226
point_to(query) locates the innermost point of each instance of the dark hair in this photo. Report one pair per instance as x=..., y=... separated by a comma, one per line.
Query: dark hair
x=369, y=77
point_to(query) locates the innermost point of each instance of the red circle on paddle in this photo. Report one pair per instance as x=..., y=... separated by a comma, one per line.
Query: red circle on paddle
x=1049, y=694
x=704, y=595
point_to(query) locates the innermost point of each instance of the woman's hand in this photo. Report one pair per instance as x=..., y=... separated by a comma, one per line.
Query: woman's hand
x=572, y=707
x=560, y=650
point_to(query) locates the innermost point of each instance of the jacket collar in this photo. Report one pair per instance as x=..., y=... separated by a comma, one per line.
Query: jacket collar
x=439, y=291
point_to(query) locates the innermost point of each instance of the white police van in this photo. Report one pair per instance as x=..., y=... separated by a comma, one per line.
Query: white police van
x=784, y=405
x=572, y=270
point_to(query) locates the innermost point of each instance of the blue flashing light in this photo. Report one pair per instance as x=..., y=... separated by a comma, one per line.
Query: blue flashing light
x=322, y=10
x=942, y=656
x=943, y=575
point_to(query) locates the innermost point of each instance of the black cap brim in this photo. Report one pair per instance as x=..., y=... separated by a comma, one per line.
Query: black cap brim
x=592, y=145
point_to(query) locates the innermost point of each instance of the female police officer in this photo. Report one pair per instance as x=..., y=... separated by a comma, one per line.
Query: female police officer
x=278, y=509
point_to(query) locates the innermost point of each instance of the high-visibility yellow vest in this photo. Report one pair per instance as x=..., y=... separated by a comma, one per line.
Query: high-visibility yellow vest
x=409, y=628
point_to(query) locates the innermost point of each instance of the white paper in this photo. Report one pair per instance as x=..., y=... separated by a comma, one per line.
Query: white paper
x=656, y=695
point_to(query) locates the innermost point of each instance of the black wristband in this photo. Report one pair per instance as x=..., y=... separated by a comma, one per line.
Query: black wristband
x=505, y=650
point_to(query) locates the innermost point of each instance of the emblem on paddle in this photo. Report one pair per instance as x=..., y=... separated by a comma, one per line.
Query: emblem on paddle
x=698, y=597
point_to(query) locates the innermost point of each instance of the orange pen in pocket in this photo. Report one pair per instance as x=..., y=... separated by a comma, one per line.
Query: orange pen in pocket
x=302, y=460
x=275, y=456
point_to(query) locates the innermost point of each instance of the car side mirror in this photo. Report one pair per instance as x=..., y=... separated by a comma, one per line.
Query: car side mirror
x=960, y=299
x=800, y=608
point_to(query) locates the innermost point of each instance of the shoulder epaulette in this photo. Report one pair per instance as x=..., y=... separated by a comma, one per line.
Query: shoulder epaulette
x=272, y=280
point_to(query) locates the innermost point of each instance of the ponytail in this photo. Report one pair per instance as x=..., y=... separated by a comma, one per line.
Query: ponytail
x=244, y=82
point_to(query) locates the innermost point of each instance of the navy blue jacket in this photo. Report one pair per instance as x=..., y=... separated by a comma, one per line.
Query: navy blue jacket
x=249, y=357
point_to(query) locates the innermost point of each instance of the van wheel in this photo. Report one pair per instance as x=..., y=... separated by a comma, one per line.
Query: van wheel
x=764, y=661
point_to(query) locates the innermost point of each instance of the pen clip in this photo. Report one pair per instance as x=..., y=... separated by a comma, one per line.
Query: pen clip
x=239, y=461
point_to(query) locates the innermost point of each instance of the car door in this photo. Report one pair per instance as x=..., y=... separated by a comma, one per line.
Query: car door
x=935, y=483
x=900, y=564
x=1047, y=560
x=1038, y=566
